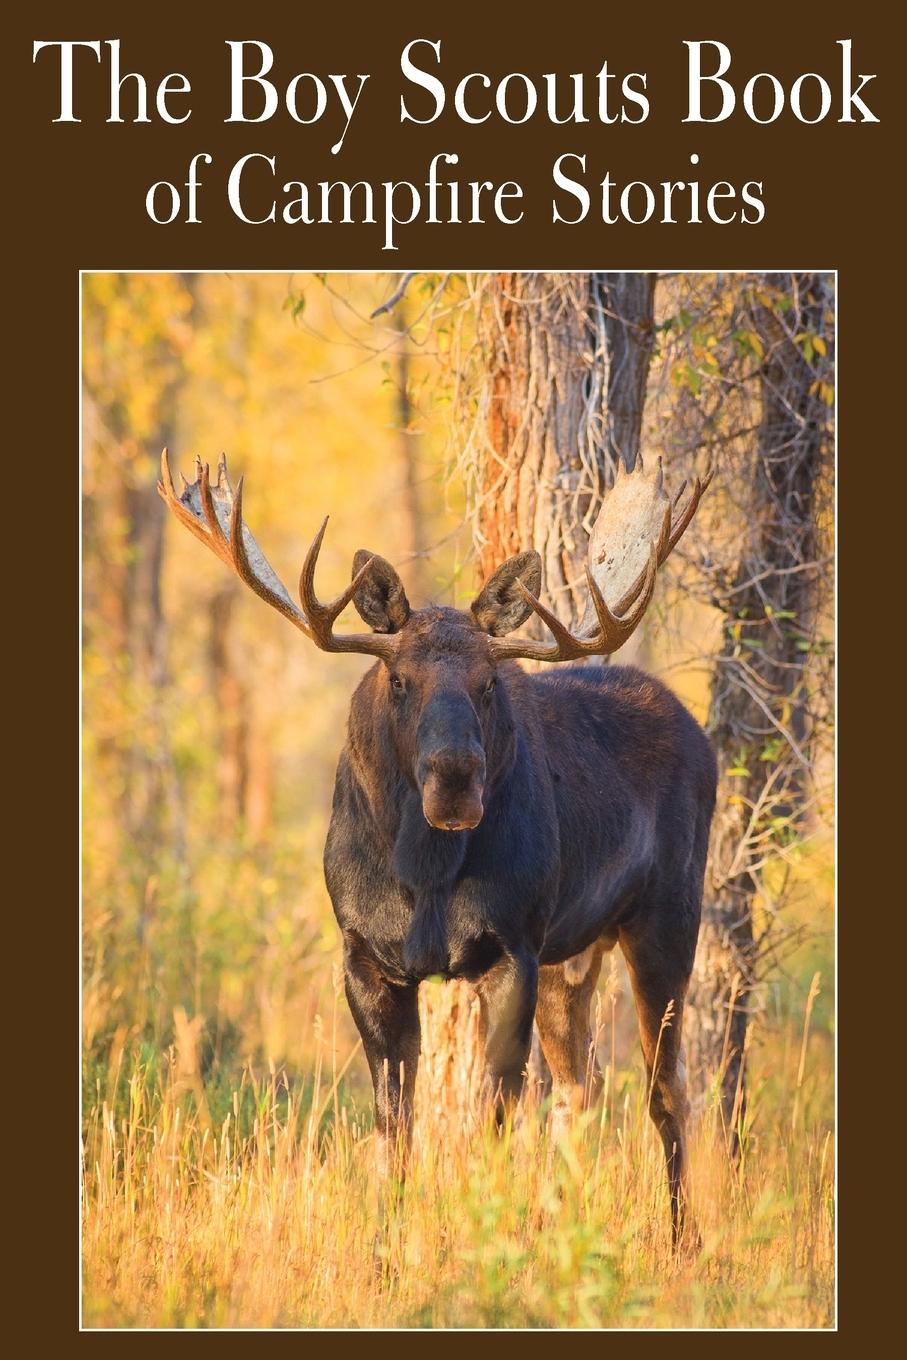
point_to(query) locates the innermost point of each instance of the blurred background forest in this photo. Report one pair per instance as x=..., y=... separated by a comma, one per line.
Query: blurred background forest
x=211, y=989
x=211, y=737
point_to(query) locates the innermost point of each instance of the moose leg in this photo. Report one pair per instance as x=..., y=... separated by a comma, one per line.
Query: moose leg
x=659, y=990
x=507, y=996
x=563, y=1020
x=387, y=1017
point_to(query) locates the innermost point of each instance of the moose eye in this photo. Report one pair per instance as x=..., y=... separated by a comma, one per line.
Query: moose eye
x=397, y=684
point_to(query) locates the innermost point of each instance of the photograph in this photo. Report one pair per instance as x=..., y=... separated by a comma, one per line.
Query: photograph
x=459, y=948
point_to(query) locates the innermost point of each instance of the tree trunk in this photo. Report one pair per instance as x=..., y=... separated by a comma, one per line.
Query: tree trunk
x=565, y=361
x=150, y=768
x=259, y=801
x=568, y=360
x=245, y=771
x=231, y=701
x=411, y=492
x=628, y=308
x=758, y=719
x=128, y=528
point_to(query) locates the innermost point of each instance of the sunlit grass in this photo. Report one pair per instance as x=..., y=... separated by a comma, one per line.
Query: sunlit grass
x=260, y=1210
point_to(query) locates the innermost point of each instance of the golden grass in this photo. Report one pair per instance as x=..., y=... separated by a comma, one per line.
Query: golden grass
x=265, y=1216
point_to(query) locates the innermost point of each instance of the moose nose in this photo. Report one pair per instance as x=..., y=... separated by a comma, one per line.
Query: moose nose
x=461, y=826
x=452, y=789
x=450, y=769
x=451, y=764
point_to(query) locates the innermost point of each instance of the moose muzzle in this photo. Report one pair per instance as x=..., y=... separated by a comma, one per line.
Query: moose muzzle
x=451, y=765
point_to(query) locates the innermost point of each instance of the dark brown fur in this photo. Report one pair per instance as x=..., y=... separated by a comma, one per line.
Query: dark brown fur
x=510, y=829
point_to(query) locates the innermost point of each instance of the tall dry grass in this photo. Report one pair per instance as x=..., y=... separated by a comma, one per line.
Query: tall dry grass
x=258, y=1209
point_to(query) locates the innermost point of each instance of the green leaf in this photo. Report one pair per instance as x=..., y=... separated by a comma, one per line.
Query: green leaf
x=295, y=305
x=756, y=345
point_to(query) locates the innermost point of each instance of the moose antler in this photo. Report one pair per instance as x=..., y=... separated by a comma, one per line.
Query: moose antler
x=637, y=527
x=213, y=512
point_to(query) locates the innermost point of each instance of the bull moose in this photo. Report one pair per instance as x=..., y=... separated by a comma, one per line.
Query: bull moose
x=505, y=827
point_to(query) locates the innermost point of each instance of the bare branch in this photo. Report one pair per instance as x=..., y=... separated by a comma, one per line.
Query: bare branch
x=395, y=297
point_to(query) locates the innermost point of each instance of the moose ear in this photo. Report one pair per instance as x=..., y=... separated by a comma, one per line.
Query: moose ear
x=380, y=600
x=499, y=606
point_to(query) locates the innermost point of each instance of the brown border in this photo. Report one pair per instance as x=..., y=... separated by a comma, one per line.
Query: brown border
x=72, y=195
